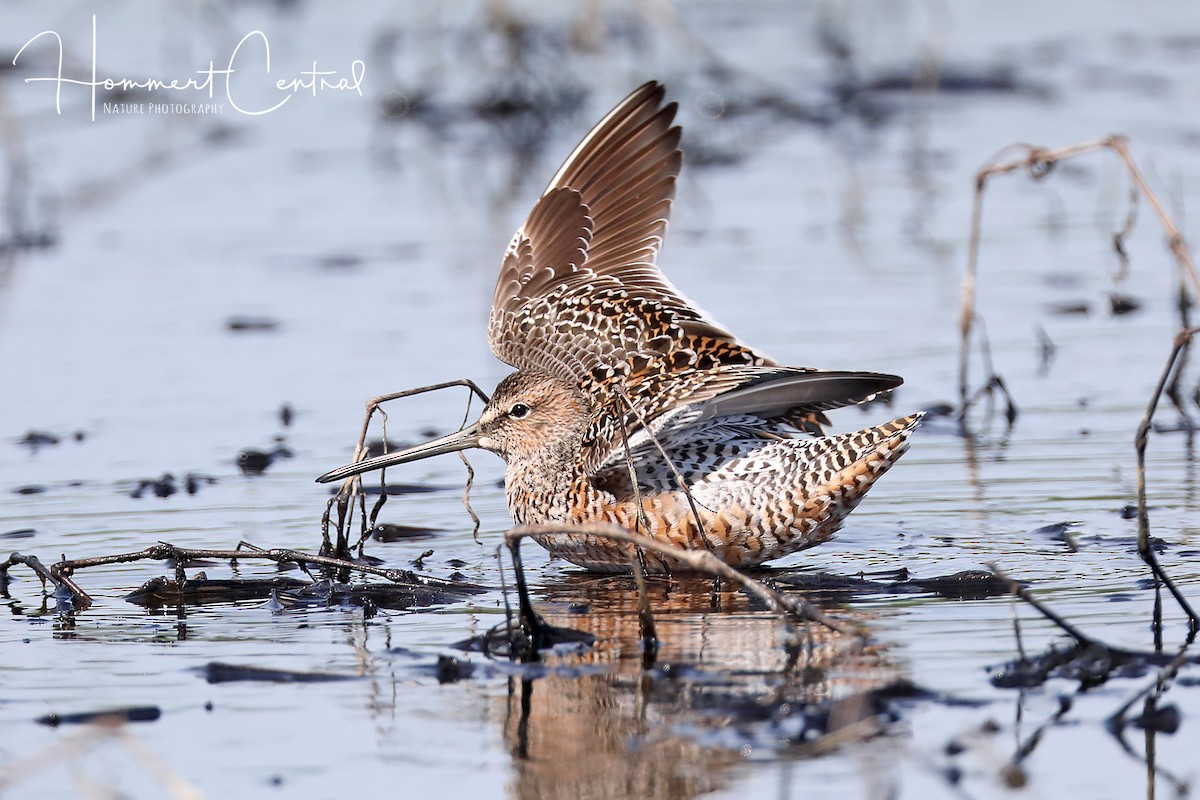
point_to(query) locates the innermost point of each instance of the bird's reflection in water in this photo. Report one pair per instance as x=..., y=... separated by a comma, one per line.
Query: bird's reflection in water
x=597, y=725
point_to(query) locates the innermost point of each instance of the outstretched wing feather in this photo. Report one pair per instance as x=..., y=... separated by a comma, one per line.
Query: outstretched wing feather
x=599, y=226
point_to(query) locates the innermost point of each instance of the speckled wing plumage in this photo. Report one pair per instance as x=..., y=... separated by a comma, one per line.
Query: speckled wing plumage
x=580, y=296
x=579, y=288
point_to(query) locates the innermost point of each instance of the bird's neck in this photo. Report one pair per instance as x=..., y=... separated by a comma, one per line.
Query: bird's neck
x=544, y=487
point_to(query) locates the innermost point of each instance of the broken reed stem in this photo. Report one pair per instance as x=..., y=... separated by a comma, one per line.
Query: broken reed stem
x=637, y=561
x=646, y=628
x=687, y=492
x=1038, y=161
x=351, y=488
x=1081, y=638
x=1174, y=389
x=326, y=544
x=466, y=497
x=698, y=560
x=1140, y=442
x=642, y=522
x=61, y=574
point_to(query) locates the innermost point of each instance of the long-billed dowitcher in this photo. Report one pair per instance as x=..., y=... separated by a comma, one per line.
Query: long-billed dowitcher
x=618, y=370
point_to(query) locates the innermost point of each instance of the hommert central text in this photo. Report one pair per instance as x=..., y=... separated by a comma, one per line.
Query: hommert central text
x=211, y=81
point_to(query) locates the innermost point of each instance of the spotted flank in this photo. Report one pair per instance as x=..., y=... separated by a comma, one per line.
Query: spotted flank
x=756, y=502
x=618, y=371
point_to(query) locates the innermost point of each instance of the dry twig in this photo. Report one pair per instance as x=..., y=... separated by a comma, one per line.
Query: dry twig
x=1142, y=439
x=351, y=488
x=1038, y=162
x=62, y=573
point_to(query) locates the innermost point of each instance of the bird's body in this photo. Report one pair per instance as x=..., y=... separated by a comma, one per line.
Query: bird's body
x=632, y=406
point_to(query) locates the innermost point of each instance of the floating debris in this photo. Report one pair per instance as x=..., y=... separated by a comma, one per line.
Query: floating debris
x=1090, y=663
x=388, y=532
x=158, y=592
x=194, y=480
x=30, y=240
x=1046, y=351
x=955, y=80
x=167, y=485
x=418, y=592
x=939, y=410
x=964, y=585
x=504, y=641
x=340, y=261
x=162, y=487
x=451, y=669
x=971, y=584
x=112, y=715
x=1123, y=304
x=218, y=672
x=243, y=324
x=1061, y=532
x=1163, y=720
x=252, y=461
x=1070, y=308
x=35, y=440
x=395, y=489
x=20, y=533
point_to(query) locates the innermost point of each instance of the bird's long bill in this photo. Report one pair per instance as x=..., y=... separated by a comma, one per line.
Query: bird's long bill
x=459, y=440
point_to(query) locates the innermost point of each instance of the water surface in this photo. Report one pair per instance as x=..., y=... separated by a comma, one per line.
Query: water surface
x=833, y=238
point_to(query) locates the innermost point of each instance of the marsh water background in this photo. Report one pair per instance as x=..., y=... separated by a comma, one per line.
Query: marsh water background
x=825, y=226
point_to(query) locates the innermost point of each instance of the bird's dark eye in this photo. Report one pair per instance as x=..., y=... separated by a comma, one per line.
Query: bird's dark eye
x=518, y=411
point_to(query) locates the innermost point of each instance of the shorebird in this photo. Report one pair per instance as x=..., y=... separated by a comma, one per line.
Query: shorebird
x=620, y=375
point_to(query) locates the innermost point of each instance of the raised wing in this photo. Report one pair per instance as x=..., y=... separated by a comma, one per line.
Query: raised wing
x=579, y=289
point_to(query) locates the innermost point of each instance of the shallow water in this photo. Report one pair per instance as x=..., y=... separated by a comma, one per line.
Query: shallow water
x=373, y=245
